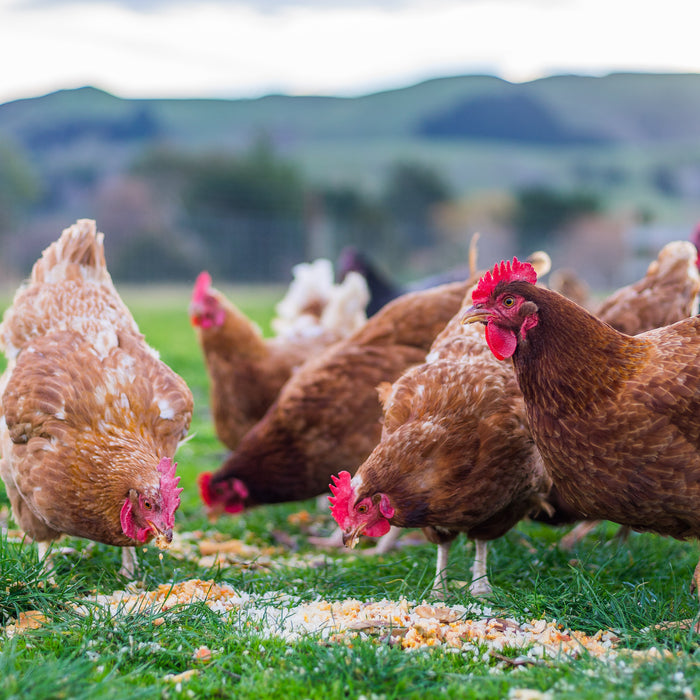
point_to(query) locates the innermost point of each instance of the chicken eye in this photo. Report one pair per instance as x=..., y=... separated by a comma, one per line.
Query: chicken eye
x=508, y=301
x=147, y=505
x=362, y=508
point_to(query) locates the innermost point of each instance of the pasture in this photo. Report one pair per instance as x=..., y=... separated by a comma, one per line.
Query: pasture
x=70, y=646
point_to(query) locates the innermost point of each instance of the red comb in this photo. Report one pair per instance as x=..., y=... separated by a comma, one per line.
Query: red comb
x=169, y=490
x=202, y=286
x=340, y=500
x=505, y=271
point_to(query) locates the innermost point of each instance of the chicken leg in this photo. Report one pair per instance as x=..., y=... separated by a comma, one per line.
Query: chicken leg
x=440, y=583
x=129, y=561
x=480, y=586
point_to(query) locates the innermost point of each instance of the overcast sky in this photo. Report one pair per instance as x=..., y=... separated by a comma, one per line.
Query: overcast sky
x=247, y=48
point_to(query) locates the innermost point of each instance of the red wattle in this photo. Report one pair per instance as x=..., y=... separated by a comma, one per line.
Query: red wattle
x=381, y=527
x=501, y=341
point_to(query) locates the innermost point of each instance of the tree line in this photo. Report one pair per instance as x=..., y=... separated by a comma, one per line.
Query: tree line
x=249, y=217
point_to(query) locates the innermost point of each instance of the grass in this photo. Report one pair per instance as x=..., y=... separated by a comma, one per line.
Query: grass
x=628, y=587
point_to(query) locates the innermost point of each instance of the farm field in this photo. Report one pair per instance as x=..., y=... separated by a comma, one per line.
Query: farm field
x=253, y=637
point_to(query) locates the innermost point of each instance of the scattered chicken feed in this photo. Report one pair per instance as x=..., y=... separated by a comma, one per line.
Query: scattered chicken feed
x=472, y=628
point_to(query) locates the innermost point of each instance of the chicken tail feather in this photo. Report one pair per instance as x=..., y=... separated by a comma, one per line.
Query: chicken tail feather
x=77, y=255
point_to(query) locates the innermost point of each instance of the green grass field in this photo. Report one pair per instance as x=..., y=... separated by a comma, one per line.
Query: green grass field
x=603, y=584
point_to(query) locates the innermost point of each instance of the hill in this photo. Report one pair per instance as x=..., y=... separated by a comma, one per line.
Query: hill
x=618, y=108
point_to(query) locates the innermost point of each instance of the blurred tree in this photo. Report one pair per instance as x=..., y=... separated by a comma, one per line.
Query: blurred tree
x=505, y=117
x=19, y=187
x=359, y=220
x=664, y=179
x=166, y=169
x=411, y=193
x=142, y=241
x=152, y=256
x=257, y=183
x=248, y=210
x=541, y=212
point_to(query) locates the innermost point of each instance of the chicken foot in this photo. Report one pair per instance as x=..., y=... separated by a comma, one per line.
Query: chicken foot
x=43, y=550
x=695, y=588
x=46, y=555
x=577, y=533
x=695, y=581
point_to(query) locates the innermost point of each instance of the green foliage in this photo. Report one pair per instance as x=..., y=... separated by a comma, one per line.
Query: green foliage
x=19, y=187
x=412, y=191
x=256, y=183
x=246, y=211
x=541, y=212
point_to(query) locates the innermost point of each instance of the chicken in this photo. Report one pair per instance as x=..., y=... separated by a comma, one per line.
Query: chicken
x=695, y=240
x=314, y=305
x=615, y=417
x=328, y=413
x=455, y=455
x=568, y=283
x=247, y=371
x=91, y=418
x=666, y=294
x=382, y=290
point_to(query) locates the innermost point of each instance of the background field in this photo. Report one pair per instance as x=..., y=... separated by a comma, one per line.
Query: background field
x=602, y=584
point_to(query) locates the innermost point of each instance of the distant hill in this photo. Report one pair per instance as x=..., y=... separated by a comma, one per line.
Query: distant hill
x=618, y=108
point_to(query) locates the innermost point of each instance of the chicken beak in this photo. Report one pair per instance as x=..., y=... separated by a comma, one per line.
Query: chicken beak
x=352, y=537
x=161, y=535
x=473, y=315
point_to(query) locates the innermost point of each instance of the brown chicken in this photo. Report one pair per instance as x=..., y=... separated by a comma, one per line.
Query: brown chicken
x=91, y=418
x=666, y=294
x=455, y=455
x=247, y=371
x=328, y=412
x=569, y=284
x=615, y=417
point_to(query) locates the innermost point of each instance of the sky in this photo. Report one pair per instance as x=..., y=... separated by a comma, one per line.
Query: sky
x=249, y=48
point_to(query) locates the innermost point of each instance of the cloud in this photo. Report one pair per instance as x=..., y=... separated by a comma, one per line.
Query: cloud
x=263, y=6
x=246, y=48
